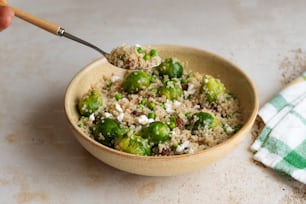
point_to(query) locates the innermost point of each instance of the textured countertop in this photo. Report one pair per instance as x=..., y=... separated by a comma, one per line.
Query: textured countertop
x=40, y=160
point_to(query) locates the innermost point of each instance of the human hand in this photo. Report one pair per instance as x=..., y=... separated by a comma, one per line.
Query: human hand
x=6, y=16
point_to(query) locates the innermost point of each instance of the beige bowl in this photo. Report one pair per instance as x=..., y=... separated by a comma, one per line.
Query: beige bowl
x=193, y=59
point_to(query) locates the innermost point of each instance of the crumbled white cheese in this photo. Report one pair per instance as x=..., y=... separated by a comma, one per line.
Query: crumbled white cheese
x=197, y=106
x=191, y=90
x=92, y=117
x=108, y=115
x=125, y=100
x=168, y=106
x=143, y=119
x=151, y=120
x=228, y=128
x=186, y=94
x=182, y=146
x=118, y=107
x=116, y=78
x=177, y=103
x=120, y=117
x=191, y=151
x=205, y=80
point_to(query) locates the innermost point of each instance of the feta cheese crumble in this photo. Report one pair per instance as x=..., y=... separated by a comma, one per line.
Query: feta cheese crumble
x=116, y=78
x=176, y=103
x=182, y=146
x=92, y=117
x=120, y=117
x=108, y=115
x=143, y=119
x=118, y=107
x=168, y=106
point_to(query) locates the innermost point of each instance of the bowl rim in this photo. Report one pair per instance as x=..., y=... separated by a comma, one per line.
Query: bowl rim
x=102, y=59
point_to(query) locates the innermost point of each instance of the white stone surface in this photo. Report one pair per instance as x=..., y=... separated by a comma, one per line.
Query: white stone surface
x=41, y=162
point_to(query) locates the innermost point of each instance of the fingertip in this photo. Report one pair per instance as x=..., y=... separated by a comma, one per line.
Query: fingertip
x=6, y=11
x=5, y=22
x=6, y=16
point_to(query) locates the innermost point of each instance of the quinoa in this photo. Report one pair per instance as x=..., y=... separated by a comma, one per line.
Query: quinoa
x=133, y=57
x=134, y=112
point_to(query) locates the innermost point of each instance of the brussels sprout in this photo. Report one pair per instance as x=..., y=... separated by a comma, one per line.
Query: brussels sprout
x=107, y=130
x=89, y=103
x=156, y=132
x=171, y=68
x=136, y=81
x=214, y=87
x=203, y=120
x=171, y=90
x=133, y=144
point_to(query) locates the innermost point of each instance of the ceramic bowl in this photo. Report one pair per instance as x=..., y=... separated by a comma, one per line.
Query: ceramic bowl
x=193, y=59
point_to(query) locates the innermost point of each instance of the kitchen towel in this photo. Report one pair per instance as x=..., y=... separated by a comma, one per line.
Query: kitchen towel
x=281, y=144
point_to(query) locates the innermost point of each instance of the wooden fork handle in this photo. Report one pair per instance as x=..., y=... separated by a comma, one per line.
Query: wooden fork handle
x=39, y=22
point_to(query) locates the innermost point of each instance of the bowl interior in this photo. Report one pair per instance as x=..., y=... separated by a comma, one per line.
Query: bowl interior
x=192, y=59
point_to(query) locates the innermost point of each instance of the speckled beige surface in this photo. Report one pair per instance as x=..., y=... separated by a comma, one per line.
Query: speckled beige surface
x=41, y=162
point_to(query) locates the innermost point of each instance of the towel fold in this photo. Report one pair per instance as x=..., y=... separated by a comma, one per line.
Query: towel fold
x=281, y=144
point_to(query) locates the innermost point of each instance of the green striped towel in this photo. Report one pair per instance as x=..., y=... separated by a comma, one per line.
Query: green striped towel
x=281, y=144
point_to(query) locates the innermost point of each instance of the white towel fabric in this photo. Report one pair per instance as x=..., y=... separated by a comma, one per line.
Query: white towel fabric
x=281, y=144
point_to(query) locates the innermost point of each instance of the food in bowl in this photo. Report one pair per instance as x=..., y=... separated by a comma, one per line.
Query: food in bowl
x=134, y=57
x=193, y=60
x=163, y=111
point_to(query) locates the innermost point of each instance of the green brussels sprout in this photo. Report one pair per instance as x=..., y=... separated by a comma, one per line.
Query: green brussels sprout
x=156, y=132
x=133, y=144
x=171, y=90
x=170, y=67
x=89, y=103
x=107, y=130
x=203, y=120
x=214, y=87
x=136, y=81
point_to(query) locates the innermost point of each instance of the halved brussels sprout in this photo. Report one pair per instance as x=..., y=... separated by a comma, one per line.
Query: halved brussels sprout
x=136, y=81
x=107, y=130
x=171, y=90
x=214, y=87
x=156, y=132
x=133, y=144
x=170, y=67
x=202, y=120
x=89, y=103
